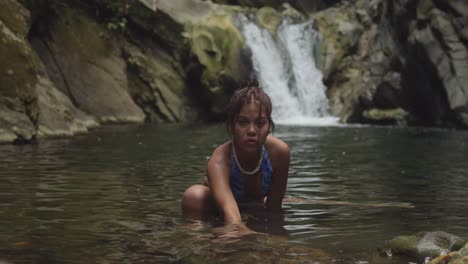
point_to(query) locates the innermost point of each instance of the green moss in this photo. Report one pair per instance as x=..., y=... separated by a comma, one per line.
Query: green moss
x=269, y=18
x=385, y=114
x=217, y=44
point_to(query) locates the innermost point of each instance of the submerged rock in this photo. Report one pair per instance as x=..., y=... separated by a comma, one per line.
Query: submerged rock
x=425, y=244
x=395, y=116
x=456, y=257
x=259, y=249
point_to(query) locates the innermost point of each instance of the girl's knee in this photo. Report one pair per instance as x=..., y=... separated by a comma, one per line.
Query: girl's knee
x=196, y=197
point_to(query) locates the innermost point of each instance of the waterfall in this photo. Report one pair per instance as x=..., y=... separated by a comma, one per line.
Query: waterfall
x=285, y=68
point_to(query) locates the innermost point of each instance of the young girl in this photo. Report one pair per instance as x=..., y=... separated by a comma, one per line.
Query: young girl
x=251, y=167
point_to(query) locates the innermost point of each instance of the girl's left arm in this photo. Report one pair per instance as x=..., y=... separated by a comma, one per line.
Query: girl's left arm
x=279, y=157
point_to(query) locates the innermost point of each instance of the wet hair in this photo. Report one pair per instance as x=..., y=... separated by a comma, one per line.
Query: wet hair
x=249, y=91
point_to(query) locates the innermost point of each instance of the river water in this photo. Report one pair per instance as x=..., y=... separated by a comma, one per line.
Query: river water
x=113, y=196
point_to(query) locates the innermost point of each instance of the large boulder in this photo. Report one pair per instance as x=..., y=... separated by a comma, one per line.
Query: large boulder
x=217, y=65
x=156, y=86
x=435, y=41
x=341, y=60
x=18, y=75
x=425, y=244
x=455, y=257
x=217, y=44
x=383, y=55
x=86, y=65
x=30, y=104
x=57, y=114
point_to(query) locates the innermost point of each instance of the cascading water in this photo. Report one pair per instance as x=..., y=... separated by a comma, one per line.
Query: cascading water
x=285, y=67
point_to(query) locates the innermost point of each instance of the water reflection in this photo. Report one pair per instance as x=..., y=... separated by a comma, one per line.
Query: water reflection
x=113, y=195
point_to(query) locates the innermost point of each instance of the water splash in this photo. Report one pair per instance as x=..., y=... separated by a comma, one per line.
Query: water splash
x=286, y=69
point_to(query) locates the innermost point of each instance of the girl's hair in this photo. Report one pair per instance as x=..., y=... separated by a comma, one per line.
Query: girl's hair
x=250, y=91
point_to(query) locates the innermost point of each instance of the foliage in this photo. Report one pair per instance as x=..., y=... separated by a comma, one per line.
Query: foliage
x=118, y=12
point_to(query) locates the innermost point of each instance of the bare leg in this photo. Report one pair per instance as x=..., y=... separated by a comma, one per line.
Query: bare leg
x=198, y=202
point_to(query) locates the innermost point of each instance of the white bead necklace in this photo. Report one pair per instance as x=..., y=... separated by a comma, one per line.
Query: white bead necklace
x=238, y=164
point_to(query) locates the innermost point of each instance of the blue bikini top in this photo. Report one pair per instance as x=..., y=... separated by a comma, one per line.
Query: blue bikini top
x=237, y=186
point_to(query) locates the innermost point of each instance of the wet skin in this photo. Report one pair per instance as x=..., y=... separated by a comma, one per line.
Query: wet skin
x=250, y=131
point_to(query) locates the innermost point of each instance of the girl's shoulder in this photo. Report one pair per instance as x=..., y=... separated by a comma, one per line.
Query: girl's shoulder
x=277, y=148
x=222, y=153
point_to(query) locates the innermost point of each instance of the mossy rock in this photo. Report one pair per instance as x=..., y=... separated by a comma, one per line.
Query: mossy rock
x=455, y=257
x=156, y=86
x=269, y=19
x=341, y=34
x=18, y=73
x=217, y=44
x=15, y=126
x=425, y=244
x=15, y=17
x=397, y=114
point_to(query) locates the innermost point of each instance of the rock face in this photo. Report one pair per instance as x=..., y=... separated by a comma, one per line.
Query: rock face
x=58, y=116
x=156, y=86
x=89, y=70
x=384, y=55
x=84, y=76
x=18, y=105
x=215, y=44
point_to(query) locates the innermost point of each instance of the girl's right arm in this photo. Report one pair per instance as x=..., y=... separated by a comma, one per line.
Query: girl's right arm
x=218, y=173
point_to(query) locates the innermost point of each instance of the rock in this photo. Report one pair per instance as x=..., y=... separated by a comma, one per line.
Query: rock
x=386, y=116
x=217, y=44
x=183, y=11
x=456, y=257
x=161, y=26
x=18, y=104
x=57, y=114
x=88, y=69
x=15, y=126
x=425, y=244
x=15, y=17
x=215, y=63
x=441, y=50
x=269, y=19
x=259, y=249
x=387, y=94
x=459, y=6
x=156, y=86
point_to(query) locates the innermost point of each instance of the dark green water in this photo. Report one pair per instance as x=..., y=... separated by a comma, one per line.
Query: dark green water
x=112, y=196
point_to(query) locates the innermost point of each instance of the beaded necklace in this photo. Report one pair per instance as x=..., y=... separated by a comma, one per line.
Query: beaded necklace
x=238, y=164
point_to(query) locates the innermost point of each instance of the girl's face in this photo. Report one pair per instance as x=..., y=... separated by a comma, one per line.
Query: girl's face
x=251, y=127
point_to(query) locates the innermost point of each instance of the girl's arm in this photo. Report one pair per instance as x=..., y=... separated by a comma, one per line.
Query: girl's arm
x=279, y=157
x=218, y=173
